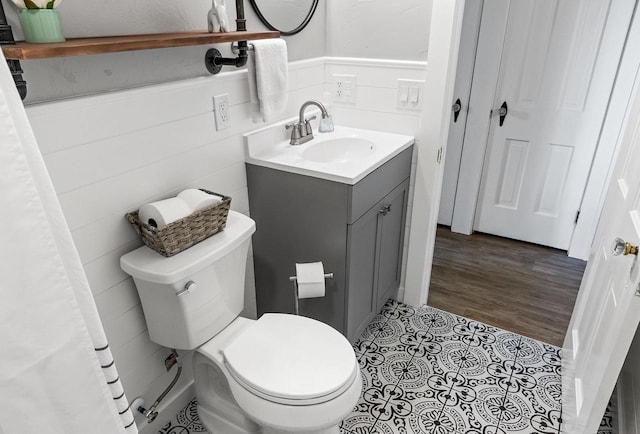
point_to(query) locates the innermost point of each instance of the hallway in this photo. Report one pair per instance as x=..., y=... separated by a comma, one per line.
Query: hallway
x=520, y=287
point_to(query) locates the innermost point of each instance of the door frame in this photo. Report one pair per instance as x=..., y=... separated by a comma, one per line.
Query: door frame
x=483, y=89
x=442, y=59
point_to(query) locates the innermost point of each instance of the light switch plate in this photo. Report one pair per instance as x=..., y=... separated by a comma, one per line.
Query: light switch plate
x=410, y=94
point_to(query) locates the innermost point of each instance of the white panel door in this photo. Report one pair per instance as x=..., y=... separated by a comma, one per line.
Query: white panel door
x=607, y=310
x=462, y=93
x=556, y=73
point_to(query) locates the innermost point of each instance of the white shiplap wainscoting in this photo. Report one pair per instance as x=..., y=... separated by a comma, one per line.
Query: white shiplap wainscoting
x=376, y=108
x=110, y=153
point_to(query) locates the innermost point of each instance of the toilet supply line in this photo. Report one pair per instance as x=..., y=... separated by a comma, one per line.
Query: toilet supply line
x=151, y=413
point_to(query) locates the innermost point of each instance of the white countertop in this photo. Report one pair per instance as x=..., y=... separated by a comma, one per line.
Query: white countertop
x=269, y=147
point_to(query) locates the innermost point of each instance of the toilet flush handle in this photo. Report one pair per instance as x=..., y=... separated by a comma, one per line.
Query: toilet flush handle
x=188, y=287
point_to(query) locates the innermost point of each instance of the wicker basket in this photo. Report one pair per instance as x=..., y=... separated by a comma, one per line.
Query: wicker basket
x=184, y=233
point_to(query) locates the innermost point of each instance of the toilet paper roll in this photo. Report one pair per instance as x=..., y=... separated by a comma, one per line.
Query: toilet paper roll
x=310, y=280
x=197, y=200
x=163, y=212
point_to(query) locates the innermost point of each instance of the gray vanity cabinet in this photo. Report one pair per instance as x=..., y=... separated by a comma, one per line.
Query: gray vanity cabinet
x=357, y=231
x=375, y=244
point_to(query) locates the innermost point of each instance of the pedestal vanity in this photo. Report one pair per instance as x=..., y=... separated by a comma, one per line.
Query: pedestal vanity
x=341, y=199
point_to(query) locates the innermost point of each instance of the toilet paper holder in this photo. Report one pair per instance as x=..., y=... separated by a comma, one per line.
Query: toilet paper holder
x=294, y=279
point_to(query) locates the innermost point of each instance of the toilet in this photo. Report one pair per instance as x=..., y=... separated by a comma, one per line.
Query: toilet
x=280, y=374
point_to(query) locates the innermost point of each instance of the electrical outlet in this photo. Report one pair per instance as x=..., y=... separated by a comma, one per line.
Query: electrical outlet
x=345, y=88
x=221, y=110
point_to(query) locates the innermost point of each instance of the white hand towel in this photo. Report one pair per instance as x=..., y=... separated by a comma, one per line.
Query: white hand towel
x=268, y=79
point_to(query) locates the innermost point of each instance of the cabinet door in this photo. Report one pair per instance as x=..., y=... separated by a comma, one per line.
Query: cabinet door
x=391, y=243
x=362, y=276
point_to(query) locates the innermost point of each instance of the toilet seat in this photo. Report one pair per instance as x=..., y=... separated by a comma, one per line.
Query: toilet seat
x=291, y=360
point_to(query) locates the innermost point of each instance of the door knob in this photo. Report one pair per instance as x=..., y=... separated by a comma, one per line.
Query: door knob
x=501, y=112
x=456, y=107
x=621, y=247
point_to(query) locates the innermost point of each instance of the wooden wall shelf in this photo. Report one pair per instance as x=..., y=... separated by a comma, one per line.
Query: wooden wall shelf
x=114, y=44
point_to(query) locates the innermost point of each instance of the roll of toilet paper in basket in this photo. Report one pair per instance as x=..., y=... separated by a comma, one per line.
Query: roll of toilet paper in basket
x=198, y=200
x=310, y=279
x=161, y=213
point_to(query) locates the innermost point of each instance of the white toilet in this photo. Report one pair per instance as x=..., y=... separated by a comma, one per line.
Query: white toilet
x=279, y=374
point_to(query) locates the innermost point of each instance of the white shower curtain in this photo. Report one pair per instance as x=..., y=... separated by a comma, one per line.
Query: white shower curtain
x=57, y=375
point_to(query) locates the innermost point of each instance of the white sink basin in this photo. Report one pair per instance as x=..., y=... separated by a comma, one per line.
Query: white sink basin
x=339, y=149
x=345, y=155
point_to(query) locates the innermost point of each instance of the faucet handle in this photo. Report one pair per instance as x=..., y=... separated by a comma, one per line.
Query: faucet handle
x=307, y=125
x=290, y=125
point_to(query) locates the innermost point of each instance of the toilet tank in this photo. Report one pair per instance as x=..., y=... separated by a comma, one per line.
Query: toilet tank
x=189, y=298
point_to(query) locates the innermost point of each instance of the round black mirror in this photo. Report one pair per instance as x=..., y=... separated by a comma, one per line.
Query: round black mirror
x=285, y=16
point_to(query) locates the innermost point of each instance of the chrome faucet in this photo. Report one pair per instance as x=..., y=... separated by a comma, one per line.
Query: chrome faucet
x=301, y=131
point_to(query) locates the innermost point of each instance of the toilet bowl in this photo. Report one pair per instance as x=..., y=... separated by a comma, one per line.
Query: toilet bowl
x=279, y=374
x=279, y=378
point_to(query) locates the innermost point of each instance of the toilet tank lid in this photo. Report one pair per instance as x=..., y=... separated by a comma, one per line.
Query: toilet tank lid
x=146, y=264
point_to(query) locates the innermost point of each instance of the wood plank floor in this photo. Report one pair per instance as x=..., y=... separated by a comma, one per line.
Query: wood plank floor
x=517, y=286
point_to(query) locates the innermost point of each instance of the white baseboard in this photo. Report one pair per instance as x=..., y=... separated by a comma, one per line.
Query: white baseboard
x=400, y=296
x=627, y=419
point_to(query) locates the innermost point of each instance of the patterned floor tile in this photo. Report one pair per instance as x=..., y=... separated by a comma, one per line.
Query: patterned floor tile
x=426, y=371
x=433, y=417
x=185, y=422
x=507, y=345
x=511, y=376
x=539, y=358
x=608, y=423
x=433, y=320
x=379, y=369
x=489, y=405
x=362, y=417
x=549, y=391
x=548, y=423
x=366, y=347
x=394, y=310
x=515, y=414
x=374, y=328
x=357, y=425
x=392, y=334
x=418, y=372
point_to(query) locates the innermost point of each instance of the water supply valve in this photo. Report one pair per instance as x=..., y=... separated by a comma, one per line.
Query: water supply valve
x=172, y=359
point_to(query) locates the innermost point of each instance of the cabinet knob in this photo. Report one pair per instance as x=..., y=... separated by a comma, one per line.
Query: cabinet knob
x=385, y=210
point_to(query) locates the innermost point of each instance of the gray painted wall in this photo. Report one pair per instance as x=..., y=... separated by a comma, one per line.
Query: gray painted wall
x=379, y=29
x=53, y=79
x=342, y=28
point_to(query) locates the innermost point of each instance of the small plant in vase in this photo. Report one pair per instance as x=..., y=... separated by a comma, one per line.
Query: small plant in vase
x=39, y=20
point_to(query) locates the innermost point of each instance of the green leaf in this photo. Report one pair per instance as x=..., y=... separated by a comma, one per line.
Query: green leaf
x=50, y=4
x=30, y=4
